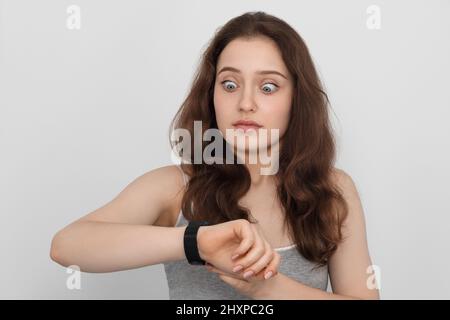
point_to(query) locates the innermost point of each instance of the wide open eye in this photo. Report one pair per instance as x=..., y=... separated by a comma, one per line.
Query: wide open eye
x=229, y=85
x=270, y=87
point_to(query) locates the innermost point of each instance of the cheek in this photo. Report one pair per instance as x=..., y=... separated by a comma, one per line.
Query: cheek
x=285, y=115
x=285, y=110
x=278, y=113
x=220, y=109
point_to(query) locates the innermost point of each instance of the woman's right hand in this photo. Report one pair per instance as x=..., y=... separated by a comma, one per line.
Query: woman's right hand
x=218, y=243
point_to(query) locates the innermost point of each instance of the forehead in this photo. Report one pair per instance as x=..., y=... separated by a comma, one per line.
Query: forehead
x=253, y=54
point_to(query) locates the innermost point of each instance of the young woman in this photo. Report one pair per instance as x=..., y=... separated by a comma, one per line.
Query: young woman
x=291, y=229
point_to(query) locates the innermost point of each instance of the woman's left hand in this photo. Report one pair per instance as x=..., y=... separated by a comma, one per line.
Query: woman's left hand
x=257, y=285
x=254, y=287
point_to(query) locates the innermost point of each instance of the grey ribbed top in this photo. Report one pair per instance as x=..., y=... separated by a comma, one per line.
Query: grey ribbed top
x=186, y=281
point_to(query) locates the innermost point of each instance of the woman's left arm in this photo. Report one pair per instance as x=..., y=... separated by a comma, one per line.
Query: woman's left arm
x=347, y=267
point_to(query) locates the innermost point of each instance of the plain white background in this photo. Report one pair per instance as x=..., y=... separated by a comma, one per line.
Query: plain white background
x=84, y=112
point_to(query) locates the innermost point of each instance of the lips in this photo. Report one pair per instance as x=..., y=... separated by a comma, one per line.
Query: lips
x=246, y=125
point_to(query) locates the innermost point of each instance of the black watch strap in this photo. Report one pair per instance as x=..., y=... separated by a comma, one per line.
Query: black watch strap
x=190, y=242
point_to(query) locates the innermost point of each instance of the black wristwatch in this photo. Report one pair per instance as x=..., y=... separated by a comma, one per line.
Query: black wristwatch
x=190, y=242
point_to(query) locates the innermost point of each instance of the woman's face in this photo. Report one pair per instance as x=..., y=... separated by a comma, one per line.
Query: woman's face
x=252, y=83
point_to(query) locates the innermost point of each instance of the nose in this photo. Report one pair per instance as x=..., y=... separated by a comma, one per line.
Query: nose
x=247, y=102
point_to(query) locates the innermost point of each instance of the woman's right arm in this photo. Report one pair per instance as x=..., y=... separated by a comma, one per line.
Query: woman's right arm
x=133, y=230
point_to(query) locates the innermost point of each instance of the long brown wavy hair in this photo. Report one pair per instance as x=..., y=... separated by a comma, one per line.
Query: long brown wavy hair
x=313, y=204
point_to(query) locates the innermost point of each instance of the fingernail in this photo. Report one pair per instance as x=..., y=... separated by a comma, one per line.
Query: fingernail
x=237, y=268
x=248, y=274
x=235, y=256
x=268, y=275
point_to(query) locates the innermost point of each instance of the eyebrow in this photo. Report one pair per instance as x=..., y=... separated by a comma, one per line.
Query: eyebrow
x=258, y=72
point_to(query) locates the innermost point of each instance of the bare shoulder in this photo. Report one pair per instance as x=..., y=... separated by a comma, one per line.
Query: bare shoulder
x=348, y=264
x=168, y=176
x=344, y=182
x=340, y=177
x=171, y=186
x=165, y=185
x=167, y=181
x=152, y=198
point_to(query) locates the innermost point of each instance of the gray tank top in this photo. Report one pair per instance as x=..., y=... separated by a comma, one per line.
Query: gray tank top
x=187, y=281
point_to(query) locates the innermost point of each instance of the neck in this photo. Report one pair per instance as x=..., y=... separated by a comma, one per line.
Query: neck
x=257, y=178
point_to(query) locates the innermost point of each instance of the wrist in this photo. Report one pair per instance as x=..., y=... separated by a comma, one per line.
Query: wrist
x=180, y=233
x=194, y=255
x=200, y=237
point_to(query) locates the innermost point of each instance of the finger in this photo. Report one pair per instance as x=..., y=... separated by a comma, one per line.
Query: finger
x=257, y=228
x=272, y=268
x=269, y=271
x=246, y=234
x=210, y=268
x=261, y=263
x=255, y=253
